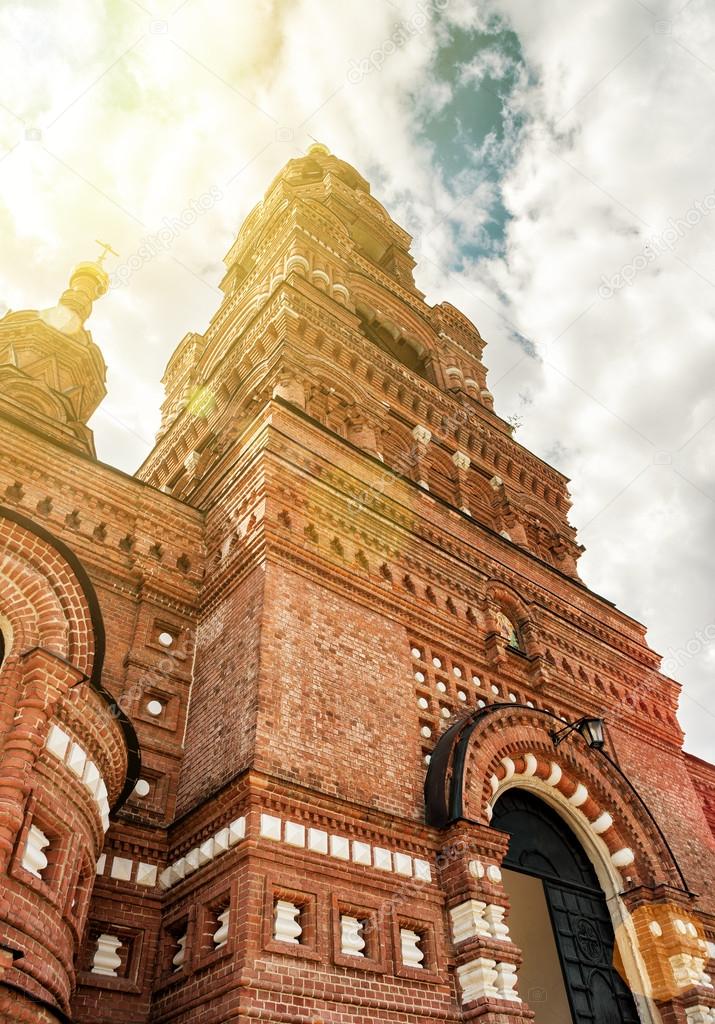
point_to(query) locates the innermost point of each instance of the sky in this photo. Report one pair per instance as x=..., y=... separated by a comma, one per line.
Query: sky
x=552, y=160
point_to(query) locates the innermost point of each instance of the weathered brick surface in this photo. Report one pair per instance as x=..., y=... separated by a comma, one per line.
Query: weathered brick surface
x=310, y=580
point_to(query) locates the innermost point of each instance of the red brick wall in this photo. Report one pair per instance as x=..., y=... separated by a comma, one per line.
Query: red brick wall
x=336, y=712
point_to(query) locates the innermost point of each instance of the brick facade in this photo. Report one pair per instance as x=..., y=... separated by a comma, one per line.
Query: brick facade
x=227, y=678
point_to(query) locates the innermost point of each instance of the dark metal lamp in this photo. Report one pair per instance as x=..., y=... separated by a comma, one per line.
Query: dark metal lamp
x=590, y=728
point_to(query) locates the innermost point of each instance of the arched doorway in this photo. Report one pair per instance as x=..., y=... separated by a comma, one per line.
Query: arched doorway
x=559, y=918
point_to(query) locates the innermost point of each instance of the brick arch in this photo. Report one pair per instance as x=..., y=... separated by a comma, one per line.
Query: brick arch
x=43, y=601
x=503, y=746
x=387, y=307
x=52, y=604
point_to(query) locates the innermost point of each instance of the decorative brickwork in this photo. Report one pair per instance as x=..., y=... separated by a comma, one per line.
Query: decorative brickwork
x=226, y=680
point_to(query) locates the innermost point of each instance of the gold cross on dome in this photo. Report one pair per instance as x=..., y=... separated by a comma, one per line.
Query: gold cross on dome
x=106, y=248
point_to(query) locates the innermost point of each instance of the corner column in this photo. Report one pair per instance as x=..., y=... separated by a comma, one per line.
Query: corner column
x=486, y=959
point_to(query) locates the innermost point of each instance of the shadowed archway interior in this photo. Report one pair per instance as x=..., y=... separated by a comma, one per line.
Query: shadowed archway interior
x=566, y=906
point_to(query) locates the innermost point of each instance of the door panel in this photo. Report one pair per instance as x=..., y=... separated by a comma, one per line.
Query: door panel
x=584, y=939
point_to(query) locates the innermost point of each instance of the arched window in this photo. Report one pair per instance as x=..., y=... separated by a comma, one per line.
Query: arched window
x=399, y=348
x=508, y=631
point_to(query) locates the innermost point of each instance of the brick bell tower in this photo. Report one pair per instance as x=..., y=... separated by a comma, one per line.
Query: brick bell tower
x=345, y=620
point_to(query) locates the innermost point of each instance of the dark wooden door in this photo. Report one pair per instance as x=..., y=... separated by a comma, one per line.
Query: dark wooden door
x=542, y=844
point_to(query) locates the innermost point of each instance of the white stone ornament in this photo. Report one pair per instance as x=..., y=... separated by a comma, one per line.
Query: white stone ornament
x=180, y=955
x=467, y=920
x=34, y=859
x=494, y=916
x=421, y=434
x=220, y=936
x=286, y=926
x=477, y=979
x=57, y=742
x=506, y=982
x=412, y=954
x=494, y=874
x=106, y=961
x=352, y=942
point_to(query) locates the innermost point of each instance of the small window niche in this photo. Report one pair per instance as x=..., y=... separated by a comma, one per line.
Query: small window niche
x=290, y=921
x=358, y=942
x=416, y=947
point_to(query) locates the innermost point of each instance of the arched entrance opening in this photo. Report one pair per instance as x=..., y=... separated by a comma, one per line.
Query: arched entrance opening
x=559, y=918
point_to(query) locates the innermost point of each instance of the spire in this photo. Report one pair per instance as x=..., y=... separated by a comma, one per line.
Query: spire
x=89, y=282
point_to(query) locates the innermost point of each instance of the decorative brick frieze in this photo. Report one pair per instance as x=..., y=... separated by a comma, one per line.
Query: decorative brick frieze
x=60, y=744
x=342, y=848
x=196, y=858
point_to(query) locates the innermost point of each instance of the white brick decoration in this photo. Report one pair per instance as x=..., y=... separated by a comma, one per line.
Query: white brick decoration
x=494, y=874
x=362, y=854
x=382, y=859
x=468, y=920
x=317, y=840
x=689, y=970
x=700, y=1015
x=340, y=847
x=352, y=942
x=477, y=979
x=412, y=954
x=76, y=760
x=180, y=955
x=220, y=936
x=602, y=823
x=403, y=864
x=622, y=858
x=146, y=874
x=579, y=795
x=105, y=959
x=294, y=833
x=270, y=827
x=506, y=982
x=217, y=844
x=34, y=859
x=236, y=831
x=494, y=916
x=121, y=869
x=91, y=777
x=57, y=742
x=61, y=746
x=286, y=927
x=422, y=870
x=101, y=863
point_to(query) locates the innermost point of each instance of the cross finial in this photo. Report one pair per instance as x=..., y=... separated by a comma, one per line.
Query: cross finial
x=106, y=248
